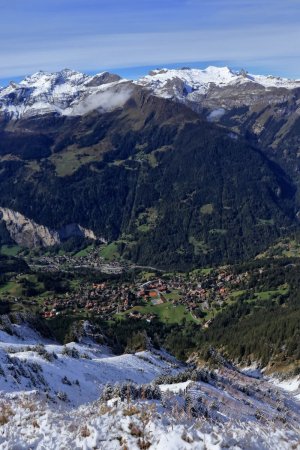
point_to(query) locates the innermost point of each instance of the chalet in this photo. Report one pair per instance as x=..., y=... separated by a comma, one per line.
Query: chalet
x=222, y=290
x=153, y=294
x=99, y=286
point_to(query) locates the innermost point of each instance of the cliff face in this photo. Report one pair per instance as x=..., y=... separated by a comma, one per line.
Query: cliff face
x=27, y=233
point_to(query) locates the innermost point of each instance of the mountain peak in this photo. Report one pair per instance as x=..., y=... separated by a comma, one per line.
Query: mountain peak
x=42, y=78
x=217, y=69
x=164, y=82
x=52, y=92
x=58, y=92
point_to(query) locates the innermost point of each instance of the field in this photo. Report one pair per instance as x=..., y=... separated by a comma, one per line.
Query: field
x=68, y=161
x=166, y=312
x=12, y=288
x=285, y=248
x=268, y=295
x=10, y=250
x=110, y=251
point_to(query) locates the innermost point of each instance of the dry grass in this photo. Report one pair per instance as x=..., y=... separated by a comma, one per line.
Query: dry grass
x=35, y=424
x=85, y=432
x=134, y=430
x=105, y=409
x=186, y=437
x=140, y=431
x=5, y=413
x=26, y=404
x=143, y=445
x=130, y=411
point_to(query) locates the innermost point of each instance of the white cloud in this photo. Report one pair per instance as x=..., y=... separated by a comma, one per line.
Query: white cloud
x=108, y=100
x=269, y=46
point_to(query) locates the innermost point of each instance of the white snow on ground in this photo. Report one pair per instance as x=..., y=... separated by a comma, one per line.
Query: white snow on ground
x=29, y=421
x=19, y=334
x=291, y=385
x=50, y=398
x=78, y=370
x=176, y=387
x=252, y=371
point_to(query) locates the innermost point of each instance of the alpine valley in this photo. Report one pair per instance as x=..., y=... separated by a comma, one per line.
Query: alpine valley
x=150, y=261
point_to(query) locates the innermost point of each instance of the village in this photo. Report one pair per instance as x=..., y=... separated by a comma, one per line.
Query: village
x=112, y=288
x=69, y=263
x=199, y=295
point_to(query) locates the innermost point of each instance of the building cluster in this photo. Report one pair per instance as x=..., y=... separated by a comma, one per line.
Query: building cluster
x=153, y=291
x=206, y=292
x=103, y=299
x=68, y=262
x=198, y=292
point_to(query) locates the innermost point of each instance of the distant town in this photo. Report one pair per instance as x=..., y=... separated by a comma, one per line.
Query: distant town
x=196, y=296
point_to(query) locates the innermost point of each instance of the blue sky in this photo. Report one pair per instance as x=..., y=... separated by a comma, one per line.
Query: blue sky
x=131, y=36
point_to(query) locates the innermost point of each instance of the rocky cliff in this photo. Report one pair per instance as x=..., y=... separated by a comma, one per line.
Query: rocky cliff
x=27, y=233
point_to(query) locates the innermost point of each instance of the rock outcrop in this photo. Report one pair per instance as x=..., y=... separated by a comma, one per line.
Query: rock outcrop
x=27, y=233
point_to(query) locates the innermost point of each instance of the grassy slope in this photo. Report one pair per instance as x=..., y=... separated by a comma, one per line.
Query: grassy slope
x=10, y=250
x=166, y=312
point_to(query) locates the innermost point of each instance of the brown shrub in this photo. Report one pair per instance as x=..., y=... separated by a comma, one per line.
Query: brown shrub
x=85, y=432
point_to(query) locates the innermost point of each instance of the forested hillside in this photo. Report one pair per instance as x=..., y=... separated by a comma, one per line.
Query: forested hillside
x=172, y=189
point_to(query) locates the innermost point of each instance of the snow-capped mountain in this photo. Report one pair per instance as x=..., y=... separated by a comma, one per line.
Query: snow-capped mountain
x=262, y=109
x=184, y=82
x=60, y=92
x=74, y=93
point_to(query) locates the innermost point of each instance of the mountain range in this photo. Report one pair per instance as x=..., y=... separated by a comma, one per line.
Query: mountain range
x=178, y=170
x=181, y=167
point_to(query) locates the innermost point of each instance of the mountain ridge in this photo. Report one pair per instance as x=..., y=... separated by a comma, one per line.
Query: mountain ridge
x=123, y=169
x=58, y=92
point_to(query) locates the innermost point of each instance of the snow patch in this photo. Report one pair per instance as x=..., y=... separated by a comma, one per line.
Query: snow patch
x=291, y=385
x=80, y=370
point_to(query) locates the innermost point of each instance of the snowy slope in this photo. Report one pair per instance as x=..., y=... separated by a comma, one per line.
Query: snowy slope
x=184, y=82
x=227, y=411
x=291, y=385
x=51, y=397
x=31, y=423
x=60, y=93
x=29, y=362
